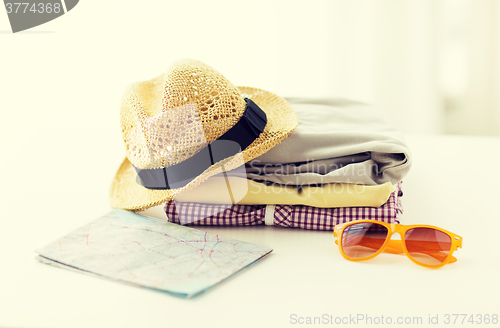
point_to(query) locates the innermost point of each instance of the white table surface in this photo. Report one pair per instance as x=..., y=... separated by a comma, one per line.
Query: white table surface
x=56, y=180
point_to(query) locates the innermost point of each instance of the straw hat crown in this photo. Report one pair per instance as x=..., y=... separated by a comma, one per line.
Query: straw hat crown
x=168, y=119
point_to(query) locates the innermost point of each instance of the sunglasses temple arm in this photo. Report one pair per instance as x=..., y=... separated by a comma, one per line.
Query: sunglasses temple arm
x=395, y=247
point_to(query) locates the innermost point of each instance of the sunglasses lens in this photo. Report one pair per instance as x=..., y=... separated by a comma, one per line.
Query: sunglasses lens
x=427, y=246
x=363, y=239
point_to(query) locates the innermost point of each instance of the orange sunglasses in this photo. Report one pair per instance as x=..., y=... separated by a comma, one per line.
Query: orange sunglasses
x=425, y=245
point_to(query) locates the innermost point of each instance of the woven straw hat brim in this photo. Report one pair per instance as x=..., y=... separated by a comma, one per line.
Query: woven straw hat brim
x=127, y=194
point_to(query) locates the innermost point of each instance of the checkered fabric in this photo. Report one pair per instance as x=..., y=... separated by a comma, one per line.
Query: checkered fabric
x=292, y=216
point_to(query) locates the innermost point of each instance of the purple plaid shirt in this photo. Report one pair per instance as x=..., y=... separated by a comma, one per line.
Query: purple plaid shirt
x=293, y=216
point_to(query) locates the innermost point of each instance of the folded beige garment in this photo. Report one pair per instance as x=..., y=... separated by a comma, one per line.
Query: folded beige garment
x=337, y=141
x=236, y=190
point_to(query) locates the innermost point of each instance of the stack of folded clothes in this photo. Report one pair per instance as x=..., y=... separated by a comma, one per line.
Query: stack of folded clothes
x=345, y=161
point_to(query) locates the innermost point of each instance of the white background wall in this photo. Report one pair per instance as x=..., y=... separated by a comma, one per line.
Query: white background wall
x=433, y=65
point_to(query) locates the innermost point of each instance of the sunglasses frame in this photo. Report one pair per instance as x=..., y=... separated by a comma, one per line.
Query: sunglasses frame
x=397, y=246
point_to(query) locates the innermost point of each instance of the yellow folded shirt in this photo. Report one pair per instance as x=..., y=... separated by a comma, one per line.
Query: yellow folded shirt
x=237, y=190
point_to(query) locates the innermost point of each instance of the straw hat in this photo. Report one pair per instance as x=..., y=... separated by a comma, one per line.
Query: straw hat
x=172, y=123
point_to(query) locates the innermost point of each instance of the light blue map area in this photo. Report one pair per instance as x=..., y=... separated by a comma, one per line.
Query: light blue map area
x=152, y=253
